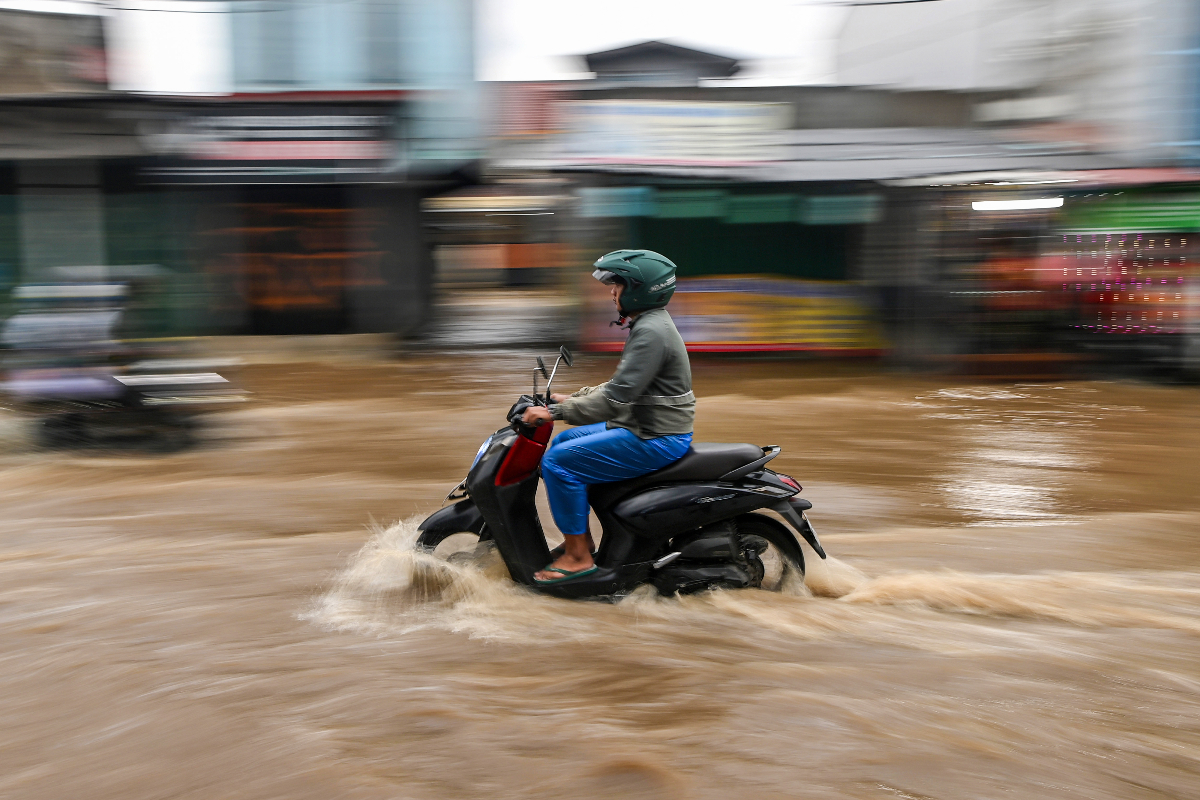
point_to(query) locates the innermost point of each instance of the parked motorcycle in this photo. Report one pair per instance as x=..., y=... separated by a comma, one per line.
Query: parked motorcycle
x=68, y=361
x=691, y=526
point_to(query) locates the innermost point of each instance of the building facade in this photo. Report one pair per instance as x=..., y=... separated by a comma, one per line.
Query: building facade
x=1122, y=74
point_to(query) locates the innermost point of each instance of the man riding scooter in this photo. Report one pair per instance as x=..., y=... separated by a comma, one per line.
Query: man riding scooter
x=637, y=422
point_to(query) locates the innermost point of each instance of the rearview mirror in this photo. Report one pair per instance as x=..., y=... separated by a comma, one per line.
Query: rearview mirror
x=566, y=354
x=542, y=366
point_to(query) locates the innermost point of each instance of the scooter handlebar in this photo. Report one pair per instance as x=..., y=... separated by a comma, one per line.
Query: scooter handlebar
x=516, y=414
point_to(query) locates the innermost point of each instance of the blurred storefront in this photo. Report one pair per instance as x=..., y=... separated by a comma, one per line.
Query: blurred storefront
x=762, y=270
x=271, y=217
x=289, y=205
x=785, y=207
x=304, y=215
x=789, y=238
x=498, y=235
x=994, y=312
x=1047, y=273
x=67, y=152
x=502, y=258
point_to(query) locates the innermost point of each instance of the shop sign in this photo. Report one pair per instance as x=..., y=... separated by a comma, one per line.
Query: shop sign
x=757, y=314
x=254, y=144
x=659, y=132
x=1126, y=283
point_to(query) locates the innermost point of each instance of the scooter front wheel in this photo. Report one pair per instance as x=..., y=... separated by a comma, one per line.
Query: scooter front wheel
x=449, y=545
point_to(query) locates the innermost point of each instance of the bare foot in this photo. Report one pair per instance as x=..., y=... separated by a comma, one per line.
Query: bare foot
x=560, y=549
x=576, y=556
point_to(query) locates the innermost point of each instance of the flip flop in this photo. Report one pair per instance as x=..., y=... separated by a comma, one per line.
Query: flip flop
x=567, y=575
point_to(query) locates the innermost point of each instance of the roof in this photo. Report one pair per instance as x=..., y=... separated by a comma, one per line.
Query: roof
x=635, y=57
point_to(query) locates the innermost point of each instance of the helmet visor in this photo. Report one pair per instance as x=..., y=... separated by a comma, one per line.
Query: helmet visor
x=604, y=276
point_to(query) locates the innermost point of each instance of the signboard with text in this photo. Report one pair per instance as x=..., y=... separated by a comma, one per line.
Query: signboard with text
x=662, y=132
x=275, y=144
x=756, y=313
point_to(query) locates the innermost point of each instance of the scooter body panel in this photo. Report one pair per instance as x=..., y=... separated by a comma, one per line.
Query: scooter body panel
x=462, y=517
x=666, y=511
x=509, y=510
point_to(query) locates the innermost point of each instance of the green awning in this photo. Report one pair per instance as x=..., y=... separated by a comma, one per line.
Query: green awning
x=1132, y=215
x=852, y=209
x=760, y=208
x=691, y=204
x=616, y=201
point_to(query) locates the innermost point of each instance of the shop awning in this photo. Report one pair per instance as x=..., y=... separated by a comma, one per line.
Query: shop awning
x=845, y=154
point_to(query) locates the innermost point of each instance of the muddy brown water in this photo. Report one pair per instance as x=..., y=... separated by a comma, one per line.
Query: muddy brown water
x=1012, y=608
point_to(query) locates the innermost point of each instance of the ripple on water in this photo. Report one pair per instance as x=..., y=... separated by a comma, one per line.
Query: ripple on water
x=1011, y=464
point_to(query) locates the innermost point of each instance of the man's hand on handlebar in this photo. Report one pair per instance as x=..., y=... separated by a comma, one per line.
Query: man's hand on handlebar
x=558, y=398
x=535, y=416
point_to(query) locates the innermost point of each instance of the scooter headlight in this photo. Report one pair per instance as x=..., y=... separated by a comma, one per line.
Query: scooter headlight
x=482, y=449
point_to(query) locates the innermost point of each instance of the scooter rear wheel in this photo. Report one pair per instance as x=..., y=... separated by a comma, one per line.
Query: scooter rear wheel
x=782, y=560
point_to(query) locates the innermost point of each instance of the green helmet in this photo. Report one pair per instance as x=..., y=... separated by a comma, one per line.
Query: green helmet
x=649, y=278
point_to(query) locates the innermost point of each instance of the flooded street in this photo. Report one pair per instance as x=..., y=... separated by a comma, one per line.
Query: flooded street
x=1011, y=607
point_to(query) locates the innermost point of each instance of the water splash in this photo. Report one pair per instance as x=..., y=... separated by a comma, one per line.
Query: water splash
x=392, y=588
x=830, y=577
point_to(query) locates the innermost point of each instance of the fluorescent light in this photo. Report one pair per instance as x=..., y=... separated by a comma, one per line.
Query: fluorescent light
x=1032, y=183
x=1015, y=205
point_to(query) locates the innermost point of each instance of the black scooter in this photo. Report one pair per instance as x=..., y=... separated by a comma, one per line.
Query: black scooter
x=685, y=528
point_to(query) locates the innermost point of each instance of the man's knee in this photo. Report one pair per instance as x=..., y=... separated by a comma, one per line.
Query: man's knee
x=553, y=459
x=561, y=462
x=561, y=443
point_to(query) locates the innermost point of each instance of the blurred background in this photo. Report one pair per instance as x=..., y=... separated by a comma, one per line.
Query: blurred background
x=943, y=252
x=1001, y=187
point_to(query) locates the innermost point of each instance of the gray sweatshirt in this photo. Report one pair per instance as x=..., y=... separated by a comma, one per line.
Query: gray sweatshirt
x=651, y=391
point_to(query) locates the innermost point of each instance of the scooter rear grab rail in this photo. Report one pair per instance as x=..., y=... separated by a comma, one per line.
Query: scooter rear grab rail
x=769, y=452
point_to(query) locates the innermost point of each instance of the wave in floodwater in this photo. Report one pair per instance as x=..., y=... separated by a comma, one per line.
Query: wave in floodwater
x=1155, y=600
x=391, y=588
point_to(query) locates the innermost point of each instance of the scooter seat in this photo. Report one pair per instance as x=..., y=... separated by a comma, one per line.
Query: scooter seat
x=703, y=461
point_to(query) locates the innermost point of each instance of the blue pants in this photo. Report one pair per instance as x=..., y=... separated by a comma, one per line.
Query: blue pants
x=593, y=454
